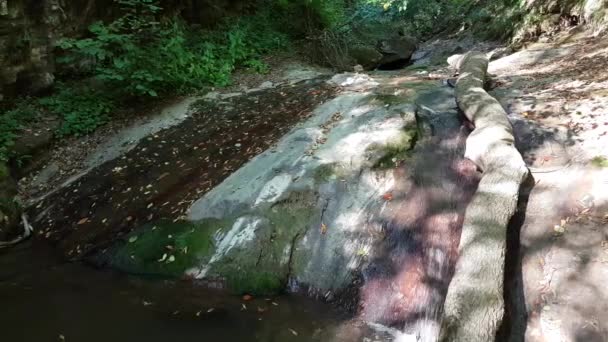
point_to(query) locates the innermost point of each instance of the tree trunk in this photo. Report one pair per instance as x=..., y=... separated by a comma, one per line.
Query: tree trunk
x=474, y=305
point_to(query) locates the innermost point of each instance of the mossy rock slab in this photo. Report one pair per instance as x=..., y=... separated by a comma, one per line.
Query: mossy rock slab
x=249, y=254
x=166, y=248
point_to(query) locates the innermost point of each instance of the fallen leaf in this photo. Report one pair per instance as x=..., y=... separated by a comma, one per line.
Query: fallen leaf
x=323, y=228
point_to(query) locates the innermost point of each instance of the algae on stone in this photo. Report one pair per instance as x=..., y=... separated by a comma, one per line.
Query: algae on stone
x=263, y=265
x=331, y=171
x=397, y=150
x=209, y=249
x=600, y=161
x=166, y=248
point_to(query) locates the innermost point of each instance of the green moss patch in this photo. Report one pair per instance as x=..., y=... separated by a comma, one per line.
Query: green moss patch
x=599, y=161
x=256, y=282
x=166, y=248
x=398, y=150
x=326, y=172
x=264, y=265
x=260, y=265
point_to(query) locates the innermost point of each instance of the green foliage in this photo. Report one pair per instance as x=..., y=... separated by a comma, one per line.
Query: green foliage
x=257, y=66
x=492, y=19
x=140, y=56
x=82, y=110
x=11, y=122
x=145, y=58
x=330, y=13
x=306, y=15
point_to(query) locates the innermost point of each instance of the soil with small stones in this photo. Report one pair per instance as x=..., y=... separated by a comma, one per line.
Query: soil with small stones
x=556, y=98
x=168, y=171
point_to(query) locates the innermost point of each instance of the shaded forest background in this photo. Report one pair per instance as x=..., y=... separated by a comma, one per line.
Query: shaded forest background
x=80, y=61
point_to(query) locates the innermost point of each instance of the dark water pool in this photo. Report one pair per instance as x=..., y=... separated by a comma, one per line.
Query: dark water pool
x=44, y=299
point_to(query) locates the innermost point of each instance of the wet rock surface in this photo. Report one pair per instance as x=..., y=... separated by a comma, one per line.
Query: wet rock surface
x=166, y=171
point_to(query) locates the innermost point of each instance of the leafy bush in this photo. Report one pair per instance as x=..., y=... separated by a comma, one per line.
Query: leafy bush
x=303, y=16
x=144, y=57
x=11, y=122
x=82, y=110
x=137, y=56
x=492, y=19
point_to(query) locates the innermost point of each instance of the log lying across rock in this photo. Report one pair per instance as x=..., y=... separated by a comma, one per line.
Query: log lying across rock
x=474, y=305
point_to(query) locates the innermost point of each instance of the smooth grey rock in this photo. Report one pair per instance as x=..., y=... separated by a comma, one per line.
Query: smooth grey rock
x=321, y=170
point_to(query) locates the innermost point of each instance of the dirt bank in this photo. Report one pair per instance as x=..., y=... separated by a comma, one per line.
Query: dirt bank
x=556, y=98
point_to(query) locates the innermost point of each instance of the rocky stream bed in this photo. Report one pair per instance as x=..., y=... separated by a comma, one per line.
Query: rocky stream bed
x=351, y=189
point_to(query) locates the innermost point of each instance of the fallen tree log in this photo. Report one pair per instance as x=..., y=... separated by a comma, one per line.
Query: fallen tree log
x=474, y=306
